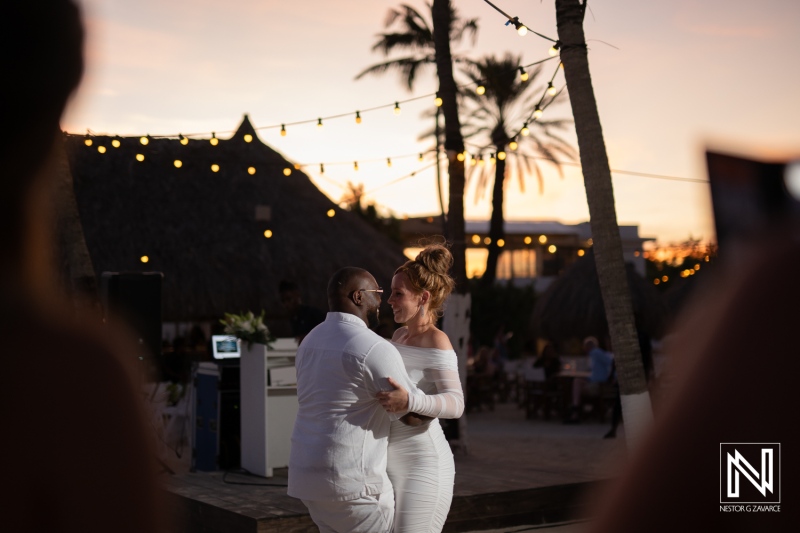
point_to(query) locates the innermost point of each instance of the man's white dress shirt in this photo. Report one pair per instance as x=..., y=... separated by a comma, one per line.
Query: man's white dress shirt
x=341, y=432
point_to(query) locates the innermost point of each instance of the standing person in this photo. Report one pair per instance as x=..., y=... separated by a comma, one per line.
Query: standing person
x=337, y=464
x=303, y=318
x=420, y=461
x=77, y=457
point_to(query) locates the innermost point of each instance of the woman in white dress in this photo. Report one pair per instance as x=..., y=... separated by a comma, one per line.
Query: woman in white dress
x=420, y=463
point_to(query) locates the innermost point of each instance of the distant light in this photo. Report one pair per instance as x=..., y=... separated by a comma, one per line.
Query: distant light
x=183, y=140
x=438, y=101
x=388, y=161
x=297, y=166
x=523, y=76
x=319, y=123
x=492, y=160
x=513, y=145
x=542, y=239
x=144, y=140
x=213, y=140
x=144, y=259
x=139, y=157
x=355, y=165
x=501, y=242
x=481, y=162
x=697, y=266
x=537, y=113
x=248, y=138
x=636, y=253
x=476, y=239
x=656, y=281
x=115, y=143
x=480, y=89
x=460, y=156
x=358, y=117
x=487, y=240
x=552, y=248
x=215, y=168
x=87, y=142
x=525, y=131
x=178, y=163
x=665, y=278
x=501, y=156
x=268, y=234
x=101, y=149
x=527, y=240
x=550, y=89
x=251, y=170
x=331, y=213
x=421, y=156
x=522, y=30
x=554, y=49
x=321, y=168
x=287, y=171
x=581, y=253
x=283, y=130
x=397, y=108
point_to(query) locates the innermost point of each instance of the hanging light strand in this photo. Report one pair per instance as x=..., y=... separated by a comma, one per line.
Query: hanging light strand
x=516, y=22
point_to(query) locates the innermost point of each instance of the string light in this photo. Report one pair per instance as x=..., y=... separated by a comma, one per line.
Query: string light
x=487, y=241
x=183, y=140
x=476, y=239
x=283, y=130
x=355, y=165
x=251, y=170
x=116, y=143
x=473, y=161
x=525, y=131
x=501, y=242
x=389, y=162
x=421, y=156
x=178, y=163
x=513, y=145
x=213, y=140
x=555, y=48
x=88, y=141
x=358, y=117
x=527, y=240
x=542, y=239
x=139, y=157
x=287, y=171
x=537, y=113
x=460, y=156
x=397, y=108
x=551, y=90
x=522, y=30
x=319, y=123
x=501, y=156
x=215, y=168
x=552, y=248
x=248, y=138
x=144, y=140
x=101, y=149
x=321, y=168
x=581, y=253
x=438, y=100
x=480, y=89
x=144, y=259
x=492, y=159
x=331, y=213
x=297, y=166
x=268, y=234
x=523, y=76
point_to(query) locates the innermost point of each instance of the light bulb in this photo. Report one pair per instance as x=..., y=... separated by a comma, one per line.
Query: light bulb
x=144, y=140
x=214, y=168
x=460, y=156
x=355, y=165
x=144, y=259
x=554, y=49
x=213, y=140
x=319, y=123
x=552, y=248
x=527, y=240
x=397, y=108
x=183, y=140
x=358, y=117
x=421, y=156
x=139, y=157
x=542, y=239
x=513, y=145
x=297, y=166
x=87, y=142
x=178, y=163
x=331, y=213
x=551, y=90
x=476, y=239
x=248, y=138
x=251, y=170
x=101, y=149
x=438, y=101
x=522, y=30
x=480, y=89
x=268, y=234
x=537, y=113
x=501, y=156
x=287, y=171
x=388, y=161
x=283, y=130
x=523, y=76
x=501, y=242
x=115, y=143
x=525, y=131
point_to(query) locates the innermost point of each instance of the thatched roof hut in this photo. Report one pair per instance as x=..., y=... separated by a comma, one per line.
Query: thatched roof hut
x=572, y=307
x=205, y=223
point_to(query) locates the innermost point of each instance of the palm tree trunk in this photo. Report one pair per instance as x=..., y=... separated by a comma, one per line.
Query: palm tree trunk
x=438, y=132
x=457, y=312
x=636, y=407
x=496, y=230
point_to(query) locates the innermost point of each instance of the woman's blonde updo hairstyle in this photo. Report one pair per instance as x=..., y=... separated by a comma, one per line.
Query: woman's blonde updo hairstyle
x=430, y=272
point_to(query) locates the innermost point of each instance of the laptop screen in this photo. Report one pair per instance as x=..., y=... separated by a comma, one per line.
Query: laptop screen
x=225, y=346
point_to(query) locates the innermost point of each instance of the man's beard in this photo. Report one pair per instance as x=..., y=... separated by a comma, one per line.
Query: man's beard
x=374, y=318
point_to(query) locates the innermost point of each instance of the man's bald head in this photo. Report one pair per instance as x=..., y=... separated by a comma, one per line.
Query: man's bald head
x=344, y=282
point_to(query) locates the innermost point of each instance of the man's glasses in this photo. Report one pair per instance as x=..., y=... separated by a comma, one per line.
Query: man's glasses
x=378, y=290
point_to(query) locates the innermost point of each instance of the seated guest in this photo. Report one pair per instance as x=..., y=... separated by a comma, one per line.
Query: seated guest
x=602, y=366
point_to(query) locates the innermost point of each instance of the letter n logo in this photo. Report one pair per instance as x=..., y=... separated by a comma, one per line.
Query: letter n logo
x=750, y=472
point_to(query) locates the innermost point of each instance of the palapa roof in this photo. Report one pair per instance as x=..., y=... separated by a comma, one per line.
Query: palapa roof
x=572, y=306
x=205, y=230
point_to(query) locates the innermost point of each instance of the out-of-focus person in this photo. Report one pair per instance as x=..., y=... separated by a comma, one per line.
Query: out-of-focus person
x=76, y=454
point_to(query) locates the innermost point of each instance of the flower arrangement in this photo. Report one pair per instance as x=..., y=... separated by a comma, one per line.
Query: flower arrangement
x=248, y=327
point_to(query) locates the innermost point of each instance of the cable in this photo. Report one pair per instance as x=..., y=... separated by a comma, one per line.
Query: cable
x=516, y=22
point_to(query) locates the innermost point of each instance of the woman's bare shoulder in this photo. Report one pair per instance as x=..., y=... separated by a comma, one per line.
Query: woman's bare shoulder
x=440, y=340
x=399, y=333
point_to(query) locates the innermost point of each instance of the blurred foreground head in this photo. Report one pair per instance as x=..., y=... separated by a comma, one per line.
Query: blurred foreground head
x=42, y=63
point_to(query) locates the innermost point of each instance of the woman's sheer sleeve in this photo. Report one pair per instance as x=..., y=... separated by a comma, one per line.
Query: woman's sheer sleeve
x=449, y=400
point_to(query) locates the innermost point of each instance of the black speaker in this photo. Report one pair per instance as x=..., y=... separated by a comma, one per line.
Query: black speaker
x=135, y=298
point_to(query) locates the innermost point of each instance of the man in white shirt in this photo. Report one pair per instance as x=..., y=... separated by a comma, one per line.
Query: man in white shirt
x=337, y=464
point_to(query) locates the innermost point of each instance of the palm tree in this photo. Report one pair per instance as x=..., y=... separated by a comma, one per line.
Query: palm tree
x=414, y=35
x=603, y=218
x=507, y=103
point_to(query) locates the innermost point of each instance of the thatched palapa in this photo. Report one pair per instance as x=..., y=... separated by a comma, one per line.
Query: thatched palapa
x=205, y=229
x=572, y=307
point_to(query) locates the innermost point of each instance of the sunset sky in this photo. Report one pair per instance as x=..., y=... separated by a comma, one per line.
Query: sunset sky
x=671, y=78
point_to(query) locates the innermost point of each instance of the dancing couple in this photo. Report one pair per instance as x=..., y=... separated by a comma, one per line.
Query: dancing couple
x=368, y=454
